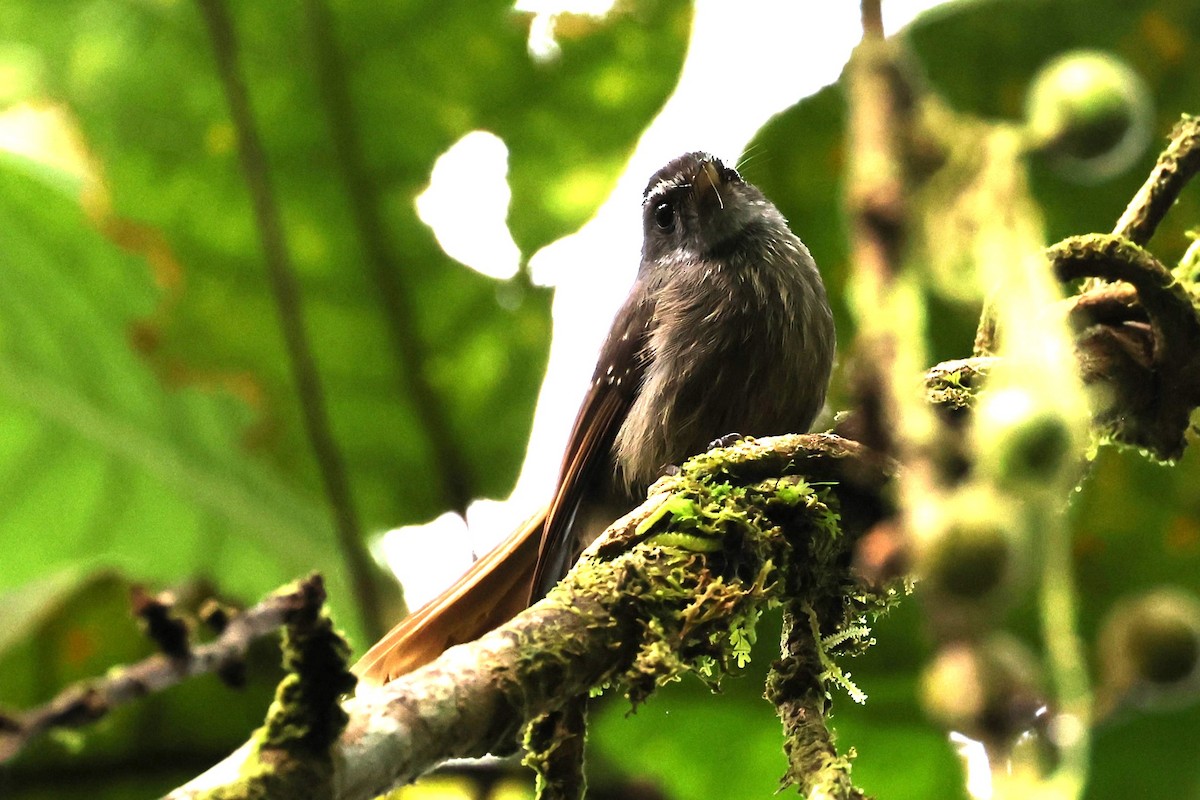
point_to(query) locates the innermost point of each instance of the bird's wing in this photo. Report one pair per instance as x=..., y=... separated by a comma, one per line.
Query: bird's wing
x=614, y=385
x=502, y=583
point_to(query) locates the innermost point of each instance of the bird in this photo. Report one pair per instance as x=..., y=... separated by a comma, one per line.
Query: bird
x=726, y=332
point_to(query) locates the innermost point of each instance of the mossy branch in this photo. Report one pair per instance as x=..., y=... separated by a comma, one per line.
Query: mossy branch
x=1176, y=165
x=633, y=614
x=1136, y=341
x=554, y=750
x=814, y=766
x=180, y=659
x=291, y=755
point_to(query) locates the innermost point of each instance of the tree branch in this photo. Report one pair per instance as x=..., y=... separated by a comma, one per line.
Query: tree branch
x=1141, y=344
x=554, y=750
x=447, y=469
x=86, y=702
x=1176, y=165
x=796, y=688
x=286, y=291
x=880, y=108
x=633, y=613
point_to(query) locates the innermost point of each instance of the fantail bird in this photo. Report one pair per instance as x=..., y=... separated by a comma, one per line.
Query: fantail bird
x=726, y=329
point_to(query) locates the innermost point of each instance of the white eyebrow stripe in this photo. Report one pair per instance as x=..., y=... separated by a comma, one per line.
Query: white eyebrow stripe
x=664, y=187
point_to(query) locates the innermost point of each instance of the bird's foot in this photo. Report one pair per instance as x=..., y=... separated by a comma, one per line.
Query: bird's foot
x=726, y=440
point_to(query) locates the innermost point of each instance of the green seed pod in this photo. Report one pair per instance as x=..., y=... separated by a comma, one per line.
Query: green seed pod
x=971, y=552
x=988, y=690
x=1090, y=113
x=1023, y=444
x=1150, y=647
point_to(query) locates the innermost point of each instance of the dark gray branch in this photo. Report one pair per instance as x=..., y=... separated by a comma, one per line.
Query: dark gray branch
x=447, y=470
x=286, y=291
x=84, y=703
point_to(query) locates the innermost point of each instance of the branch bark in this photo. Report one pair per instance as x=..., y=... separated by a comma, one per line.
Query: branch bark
x=85, y=703
x=633, y=613
x=795, y=687
x=1176, y=165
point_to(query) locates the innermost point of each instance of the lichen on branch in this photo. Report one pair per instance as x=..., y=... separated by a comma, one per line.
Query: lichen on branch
x=635, y=612
x=737, y=531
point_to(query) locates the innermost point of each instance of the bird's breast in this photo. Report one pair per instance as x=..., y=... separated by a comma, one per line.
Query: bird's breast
x=733, y=348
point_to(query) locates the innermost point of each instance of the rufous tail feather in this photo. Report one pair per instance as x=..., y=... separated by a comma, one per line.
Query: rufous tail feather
x=492, y=592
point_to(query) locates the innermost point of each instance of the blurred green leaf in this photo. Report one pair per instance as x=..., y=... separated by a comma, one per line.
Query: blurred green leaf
x=147, y=417
x=100, y=461
x=413, y=78
x=140, y=79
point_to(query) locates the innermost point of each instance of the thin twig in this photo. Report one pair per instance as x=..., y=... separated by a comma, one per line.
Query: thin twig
x=1058, y=603
x=286, y=291
x=448, y=473
x=794, y=685
x=872, y=18
x=1176, y=165
x=986, y=338
x=880, y=111
x=85, y=702
x=880, y=119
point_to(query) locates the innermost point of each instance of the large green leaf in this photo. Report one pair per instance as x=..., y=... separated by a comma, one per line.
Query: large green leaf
x=149, y=418
x=102, y=462
x=354, y=102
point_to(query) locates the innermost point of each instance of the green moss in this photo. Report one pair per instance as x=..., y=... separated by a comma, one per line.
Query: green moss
x=307, y=712
x=721, y=551
x=291, y=751
x=737, y=531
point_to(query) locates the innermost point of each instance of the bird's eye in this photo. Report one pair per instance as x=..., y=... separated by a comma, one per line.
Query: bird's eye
x=664, y=216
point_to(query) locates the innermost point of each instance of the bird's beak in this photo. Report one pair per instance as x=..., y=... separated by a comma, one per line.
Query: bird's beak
x=708, y=180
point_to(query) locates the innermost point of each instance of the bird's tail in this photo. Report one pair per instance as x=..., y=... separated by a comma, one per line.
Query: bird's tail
x=493, y=591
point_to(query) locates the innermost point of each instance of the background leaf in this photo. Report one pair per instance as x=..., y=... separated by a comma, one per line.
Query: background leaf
x=139, y=78
x=103, y=463
x=148, y=422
